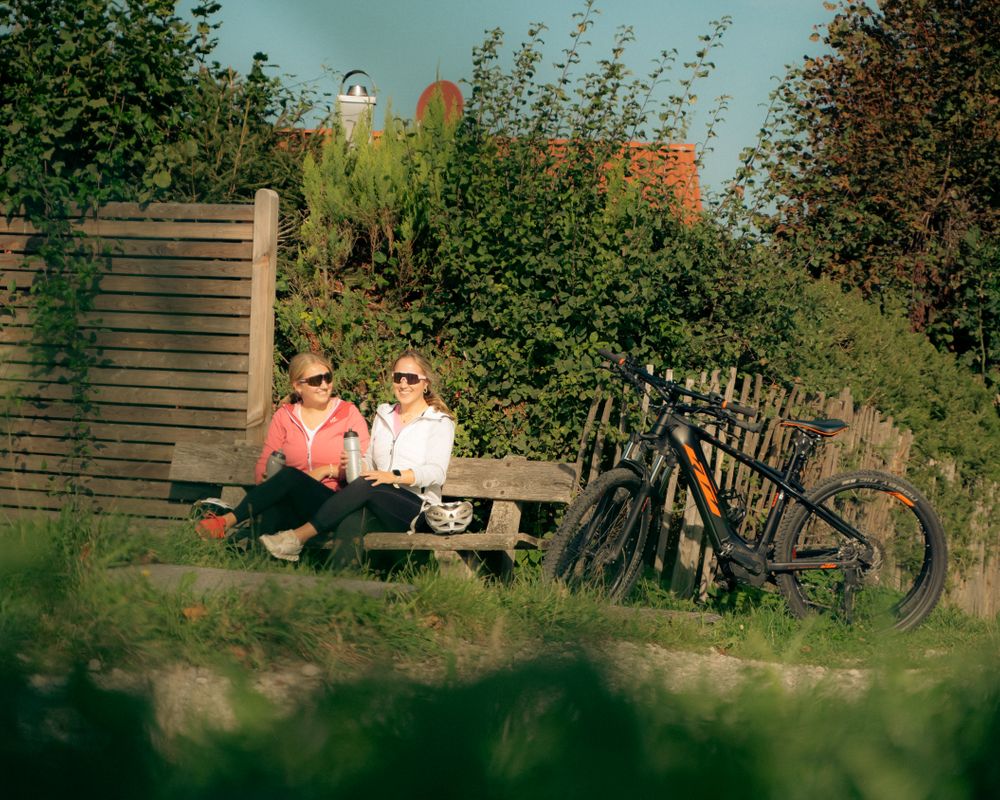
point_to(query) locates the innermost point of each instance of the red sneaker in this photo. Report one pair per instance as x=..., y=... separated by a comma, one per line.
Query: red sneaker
x=211, y=526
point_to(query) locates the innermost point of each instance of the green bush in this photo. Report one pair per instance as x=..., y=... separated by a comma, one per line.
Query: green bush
x=515, y=244
x=841, y=340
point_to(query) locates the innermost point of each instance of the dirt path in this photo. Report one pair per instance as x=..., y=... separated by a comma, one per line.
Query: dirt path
x=186, y=697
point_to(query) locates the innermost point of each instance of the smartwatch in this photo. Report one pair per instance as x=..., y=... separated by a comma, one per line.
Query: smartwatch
x=398, y=474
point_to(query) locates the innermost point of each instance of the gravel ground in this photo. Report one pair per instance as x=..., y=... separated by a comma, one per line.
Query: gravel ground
x=186, y=697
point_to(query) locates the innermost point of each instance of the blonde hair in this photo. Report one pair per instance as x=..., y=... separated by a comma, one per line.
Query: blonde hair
x=298, y=367
x=430, y=393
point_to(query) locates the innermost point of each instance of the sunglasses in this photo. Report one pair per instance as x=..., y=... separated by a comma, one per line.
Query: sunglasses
x=410, y=377
x=318, y=380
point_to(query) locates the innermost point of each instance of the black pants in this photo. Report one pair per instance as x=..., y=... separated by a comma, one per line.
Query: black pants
x=291, y=498
x=394, y=508
x=285, y=500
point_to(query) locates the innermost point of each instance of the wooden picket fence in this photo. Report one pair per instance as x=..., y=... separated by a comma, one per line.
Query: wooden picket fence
x=683, y=556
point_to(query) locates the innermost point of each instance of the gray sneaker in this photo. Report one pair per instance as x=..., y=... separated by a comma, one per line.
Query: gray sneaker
x=284, y=545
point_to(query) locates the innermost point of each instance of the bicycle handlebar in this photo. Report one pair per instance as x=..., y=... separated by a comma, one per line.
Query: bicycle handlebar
x=671, y=391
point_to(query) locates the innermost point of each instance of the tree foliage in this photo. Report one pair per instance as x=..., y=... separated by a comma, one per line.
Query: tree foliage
x=519, y=241
x=95, y=98
x=884, y=165
x=114, y=100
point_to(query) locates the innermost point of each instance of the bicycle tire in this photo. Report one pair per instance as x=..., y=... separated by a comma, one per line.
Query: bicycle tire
x=905, y=584
x=581, y=554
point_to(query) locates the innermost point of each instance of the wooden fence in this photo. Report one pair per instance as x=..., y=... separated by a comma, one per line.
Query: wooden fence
x=183, y=332
x=683, y=556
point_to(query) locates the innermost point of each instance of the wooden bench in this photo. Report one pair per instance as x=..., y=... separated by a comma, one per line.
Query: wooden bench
x=507, y=483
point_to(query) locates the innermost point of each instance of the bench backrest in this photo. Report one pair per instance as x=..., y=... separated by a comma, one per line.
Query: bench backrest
x=511, y=479
x=183, y=330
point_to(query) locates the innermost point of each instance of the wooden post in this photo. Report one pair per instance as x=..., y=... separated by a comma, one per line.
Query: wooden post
x=585, y=436
x=261, y=370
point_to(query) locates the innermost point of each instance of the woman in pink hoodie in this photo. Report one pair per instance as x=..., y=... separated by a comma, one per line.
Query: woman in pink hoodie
x=309, y=429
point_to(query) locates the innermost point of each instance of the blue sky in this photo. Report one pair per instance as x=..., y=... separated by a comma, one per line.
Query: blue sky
x=404, y=44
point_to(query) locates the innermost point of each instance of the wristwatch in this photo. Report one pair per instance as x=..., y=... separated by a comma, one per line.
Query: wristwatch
x=398, y=474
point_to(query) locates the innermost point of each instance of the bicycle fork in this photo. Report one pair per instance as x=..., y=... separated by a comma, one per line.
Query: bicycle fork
x=648, y=489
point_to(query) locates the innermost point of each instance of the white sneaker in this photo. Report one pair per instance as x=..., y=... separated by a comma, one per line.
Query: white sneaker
x=284, y=545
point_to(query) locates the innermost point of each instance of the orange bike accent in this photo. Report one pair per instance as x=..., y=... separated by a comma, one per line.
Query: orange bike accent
x=902, y=498
x=704, y=482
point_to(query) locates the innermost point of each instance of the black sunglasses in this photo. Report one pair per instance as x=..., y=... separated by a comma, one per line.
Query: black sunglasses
x=318, y=380
x=410, y=377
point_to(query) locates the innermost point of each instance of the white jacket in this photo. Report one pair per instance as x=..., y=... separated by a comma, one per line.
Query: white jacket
x=423, y=446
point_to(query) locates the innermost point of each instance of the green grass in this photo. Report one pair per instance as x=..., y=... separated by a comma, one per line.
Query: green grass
x=465, y=689
x=59, y=606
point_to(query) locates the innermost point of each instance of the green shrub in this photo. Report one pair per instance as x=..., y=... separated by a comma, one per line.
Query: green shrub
x=515, y=244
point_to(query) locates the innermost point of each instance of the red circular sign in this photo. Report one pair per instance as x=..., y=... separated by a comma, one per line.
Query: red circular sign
x=450, y=94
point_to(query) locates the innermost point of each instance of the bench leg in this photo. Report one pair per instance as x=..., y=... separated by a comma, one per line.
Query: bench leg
x=455, y=563
x=469, y=564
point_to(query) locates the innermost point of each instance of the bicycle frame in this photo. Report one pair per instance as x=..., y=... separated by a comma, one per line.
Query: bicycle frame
x=679, y=441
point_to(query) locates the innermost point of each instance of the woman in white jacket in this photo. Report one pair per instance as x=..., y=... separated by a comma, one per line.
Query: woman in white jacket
x=405, y=466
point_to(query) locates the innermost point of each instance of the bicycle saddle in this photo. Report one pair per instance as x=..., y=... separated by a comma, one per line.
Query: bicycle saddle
x=824, y=427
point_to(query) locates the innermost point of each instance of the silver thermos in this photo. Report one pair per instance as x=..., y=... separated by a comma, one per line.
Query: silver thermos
x=352, y=446
x=275, y=462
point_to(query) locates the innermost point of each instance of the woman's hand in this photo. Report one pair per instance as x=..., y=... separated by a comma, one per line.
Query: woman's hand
x=380, y=476
x=324, y=472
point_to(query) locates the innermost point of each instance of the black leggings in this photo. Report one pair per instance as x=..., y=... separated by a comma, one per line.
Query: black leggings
x=285, y=500
x=291, y=498
x=394, y=508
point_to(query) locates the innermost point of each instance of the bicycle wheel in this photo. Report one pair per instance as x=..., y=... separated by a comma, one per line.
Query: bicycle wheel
x=897, y=584
x=592, y=548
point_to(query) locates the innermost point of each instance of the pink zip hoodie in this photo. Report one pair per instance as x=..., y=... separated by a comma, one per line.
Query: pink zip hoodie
x=288, y=434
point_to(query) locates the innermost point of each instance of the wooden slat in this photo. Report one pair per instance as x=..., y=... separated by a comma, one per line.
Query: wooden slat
x=134, y=247
x=181, y=364
x=585, y=436
x=166, y=267
x=142, y=229
x=12, y=500
x=148, y=415
x=459, y=541
x=96, y=486
x=166, y=304
x=180, y=323
x=51, y=446
x=111, y=433
x=165, y=322
x=24, y=463
x=151, y=304
x=10, y=515
x=129, y=378
x=179, y=342
x=187, y=398
x=186, y=286
x=193, y=211
x=186, y=211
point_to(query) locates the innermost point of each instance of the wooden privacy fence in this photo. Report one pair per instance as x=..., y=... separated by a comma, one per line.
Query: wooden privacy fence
x=183, y=327
x=683, y=556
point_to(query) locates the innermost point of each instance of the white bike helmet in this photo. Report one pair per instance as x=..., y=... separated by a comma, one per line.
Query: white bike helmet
x=449, y=517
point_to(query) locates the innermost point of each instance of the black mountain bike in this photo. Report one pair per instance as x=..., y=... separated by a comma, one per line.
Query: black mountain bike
x=860, y=545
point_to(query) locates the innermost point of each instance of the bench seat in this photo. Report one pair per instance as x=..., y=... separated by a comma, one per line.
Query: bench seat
x=506, y=483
